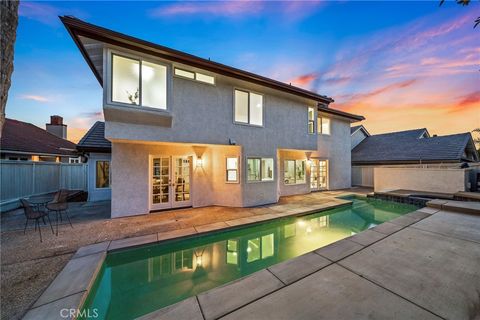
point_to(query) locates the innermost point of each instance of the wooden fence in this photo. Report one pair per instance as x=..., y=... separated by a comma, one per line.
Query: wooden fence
x=21, y=179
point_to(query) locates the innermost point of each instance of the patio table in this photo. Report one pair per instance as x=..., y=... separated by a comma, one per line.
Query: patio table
x=42, y=201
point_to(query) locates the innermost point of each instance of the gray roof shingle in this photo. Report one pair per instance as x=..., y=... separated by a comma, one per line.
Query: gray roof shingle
x=408, y=147
x=94, y=139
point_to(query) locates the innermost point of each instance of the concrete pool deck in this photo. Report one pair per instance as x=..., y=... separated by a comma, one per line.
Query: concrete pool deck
x=72, y=284
x=29, y=267
x=424, y=265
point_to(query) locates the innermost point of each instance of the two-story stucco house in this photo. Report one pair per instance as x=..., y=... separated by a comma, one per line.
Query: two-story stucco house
x=187, y=131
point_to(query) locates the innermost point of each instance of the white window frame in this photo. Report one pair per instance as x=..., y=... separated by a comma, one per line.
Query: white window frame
x=311, y=121
x=320, y=125
x=248, y=108
x=195, y=76
x=108, y=74
x=295, y=171
x=109, y=174
x=227, y=170
x=260, y=172
x=74, y=160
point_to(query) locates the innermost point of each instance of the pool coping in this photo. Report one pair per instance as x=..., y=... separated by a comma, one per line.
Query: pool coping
x=87, y=261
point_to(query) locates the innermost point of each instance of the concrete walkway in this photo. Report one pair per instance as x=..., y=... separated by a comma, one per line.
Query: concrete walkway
x=28, y=266
x=424, y=265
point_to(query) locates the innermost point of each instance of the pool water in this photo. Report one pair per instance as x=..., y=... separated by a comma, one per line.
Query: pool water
x=135, y=282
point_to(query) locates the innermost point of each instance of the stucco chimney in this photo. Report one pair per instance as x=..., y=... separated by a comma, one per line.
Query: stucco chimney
x=57, y=127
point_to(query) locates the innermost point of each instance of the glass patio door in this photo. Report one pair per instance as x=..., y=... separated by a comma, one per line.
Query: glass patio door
x=181, y=182
x=170, y=182
x=319, y=175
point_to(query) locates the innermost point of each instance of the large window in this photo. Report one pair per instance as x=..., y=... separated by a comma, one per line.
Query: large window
x=323, y=125
x=248, y=108
x=311, y=120
x=232, y=169
x=138, y=82
x=259, y=169
x=102, y=174
x=294, y=171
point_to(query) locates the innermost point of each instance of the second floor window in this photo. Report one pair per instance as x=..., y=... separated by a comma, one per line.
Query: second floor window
x=323, y=125
x=311, y=120
x=138, y=82
x=248, y=108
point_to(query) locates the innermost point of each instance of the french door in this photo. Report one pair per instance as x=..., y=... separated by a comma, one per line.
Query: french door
x=170, y=182
x=319, y=175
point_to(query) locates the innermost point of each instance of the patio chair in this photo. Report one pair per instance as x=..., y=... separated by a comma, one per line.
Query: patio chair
x=34, y=214
x=59, y=205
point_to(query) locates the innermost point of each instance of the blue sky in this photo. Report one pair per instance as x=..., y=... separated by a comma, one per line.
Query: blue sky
x=401, y=64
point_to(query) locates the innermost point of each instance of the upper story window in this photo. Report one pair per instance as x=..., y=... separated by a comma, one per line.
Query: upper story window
x=138, y=82
x=201, y=77
x=311, y=120
x=323, y=125
x=248, y=108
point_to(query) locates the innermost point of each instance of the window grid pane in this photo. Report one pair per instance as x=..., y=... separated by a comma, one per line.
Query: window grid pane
x=125, y=80
x=256, y=109
x=184, y=73
x=241, y=106
x=154, y=85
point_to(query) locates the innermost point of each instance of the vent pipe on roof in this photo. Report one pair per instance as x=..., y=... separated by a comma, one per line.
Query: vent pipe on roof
x=56, y=127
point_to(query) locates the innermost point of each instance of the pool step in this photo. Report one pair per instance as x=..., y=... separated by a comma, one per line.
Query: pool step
x=456, y=206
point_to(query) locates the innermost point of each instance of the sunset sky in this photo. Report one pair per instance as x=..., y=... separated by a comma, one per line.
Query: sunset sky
x=402, y=65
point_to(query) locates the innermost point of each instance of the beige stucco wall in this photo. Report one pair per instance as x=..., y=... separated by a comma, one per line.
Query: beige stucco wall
x=199, y=113
x=419, y=179
x=336, y=149
x=131, y=181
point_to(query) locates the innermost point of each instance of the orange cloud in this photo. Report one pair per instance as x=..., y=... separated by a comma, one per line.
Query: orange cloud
x=303, y=80
x=75, y=134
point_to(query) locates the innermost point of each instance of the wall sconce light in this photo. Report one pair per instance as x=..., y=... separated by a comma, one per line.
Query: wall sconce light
x=199, y=261
x=199, y=162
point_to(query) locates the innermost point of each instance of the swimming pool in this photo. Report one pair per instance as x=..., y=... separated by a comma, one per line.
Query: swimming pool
x=137, y=281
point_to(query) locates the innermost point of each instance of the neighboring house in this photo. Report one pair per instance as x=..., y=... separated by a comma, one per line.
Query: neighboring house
x=187, y=131
x=358, y=134
x=409, y=148
x=97, y=152
x=27, y=142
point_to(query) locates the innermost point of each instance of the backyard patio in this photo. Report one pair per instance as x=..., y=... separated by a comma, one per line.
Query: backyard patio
x=28, y=265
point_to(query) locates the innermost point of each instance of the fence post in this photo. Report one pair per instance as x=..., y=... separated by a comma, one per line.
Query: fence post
x=33, y=177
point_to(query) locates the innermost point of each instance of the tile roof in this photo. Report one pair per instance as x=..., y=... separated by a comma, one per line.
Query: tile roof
x=408, y=147
x=94, y=139
x=18, y=136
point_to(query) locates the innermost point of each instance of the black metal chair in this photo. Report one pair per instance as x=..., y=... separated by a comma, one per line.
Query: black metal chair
x=59, y=205
x=34, y=214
